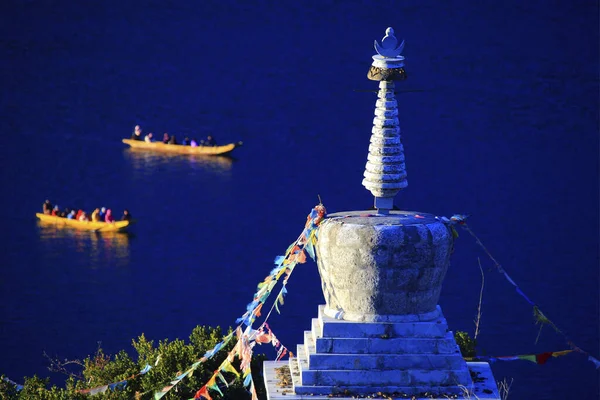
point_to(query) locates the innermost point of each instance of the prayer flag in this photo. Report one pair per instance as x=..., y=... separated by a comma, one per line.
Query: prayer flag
x=215, y=387
x=227, y=367
x=561, y=353
x=146, y=369
x=543, y=357
x=528, y=357
x=203, y=392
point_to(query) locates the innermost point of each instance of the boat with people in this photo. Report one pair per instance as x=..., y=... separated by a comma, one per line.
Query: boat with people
x=100, y=220
x=96, y=226
x=169, y=144
x=183, y=149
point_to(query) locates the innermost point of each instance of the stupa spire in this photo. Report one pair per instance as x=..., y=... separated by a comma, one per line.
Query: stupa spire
x=385, y=171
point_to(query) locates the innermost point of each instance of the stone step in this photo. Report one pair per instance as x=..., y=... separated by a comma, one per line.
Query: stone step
x=400, y=392
x=378, y=378
x=329, y=327
x=310, y=375
x=316, y=329
x=295, y=371
x=309, y=344
x=377, y=361
x=385, y=378
x=446, y=345
x=301, y=358
x=277, y=381
x=385, y=361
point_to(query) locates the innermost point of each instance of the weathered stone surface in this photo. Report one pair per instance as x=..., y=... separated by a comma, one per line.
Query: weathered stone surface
x=384, y=361
x=387, y=131
x=378, y=267
x=381, y=369
x=325, y=326
x=383, y=113
x=384, y=377
x=396, y=345
x=385, y=168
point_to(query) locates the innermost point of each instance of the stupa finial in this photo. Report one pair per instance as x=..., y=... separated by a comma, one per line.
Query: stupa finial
x=388, y=45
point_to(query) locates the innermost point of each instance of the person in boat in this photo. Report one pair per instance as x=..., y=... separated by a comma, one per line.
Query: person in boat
x=65, y=212
x=109, y=218
x=96, y=215
x=55, y=211
x=210, y=141
x=47, y=207
x=78, y=215
x=83, y=217
x=148, y=138
x=186, y=141
x=172, y=140
x=166, y=138
x=71, y=215
x=102, y=213
x=126, y=216
x=137, y=133
x=194, y=143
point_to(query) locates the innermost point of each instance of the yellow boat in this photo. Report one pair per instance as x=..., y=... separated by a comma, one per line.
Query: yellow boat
x=117, y=226
x=181, y=149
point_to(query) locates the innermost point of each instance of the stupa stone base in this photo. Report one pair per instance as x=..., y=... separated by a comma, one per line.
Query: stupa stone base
x=396, y=358
x=278, y=382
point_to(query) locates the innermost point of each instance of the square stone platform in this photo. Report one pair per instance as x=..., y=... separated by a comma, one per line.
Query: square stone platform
x=344, y=359
x=278, y=381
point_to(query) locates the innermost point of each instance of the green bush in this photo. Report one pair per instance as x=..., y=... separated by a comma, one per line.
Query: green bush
x=466, y=344
x=175, y=357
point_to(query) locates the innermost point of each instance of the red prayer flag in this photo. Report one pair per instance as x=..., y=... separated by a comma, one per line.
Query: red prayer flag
x=203, y=392
x=543, y=357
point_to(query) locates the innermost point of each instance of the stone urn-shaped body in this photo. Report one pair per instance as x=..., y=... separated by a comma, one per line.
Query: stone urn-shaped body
x=383, y=268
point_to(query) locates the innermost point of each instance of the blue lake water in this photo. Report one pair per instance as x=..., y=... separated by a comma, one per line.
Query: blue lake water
x=505, y=129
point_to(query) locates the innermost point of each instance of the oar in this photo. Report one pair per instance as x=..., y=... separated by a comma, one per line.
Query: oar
x=395, y=92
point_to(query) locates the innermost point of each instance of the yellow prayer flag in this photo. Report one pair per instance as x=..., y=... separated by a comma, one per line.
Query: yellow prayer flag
x=212, y=380
x=229, y=368
x=561, y=353
x=281, y=271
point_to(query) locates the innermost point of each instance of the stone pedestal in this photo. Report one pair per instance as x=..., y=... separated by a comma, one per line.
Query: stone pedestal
x=347, y=359
x=369, y=357
x=381, y=329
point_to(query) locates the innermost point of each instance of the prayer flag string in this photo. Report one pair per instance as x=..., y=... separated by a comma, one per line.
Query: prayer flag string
x=539, y=317
x=243, y=351
x=246, y=340
x=18, y=387
x=115, y=385
x=540, y=359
